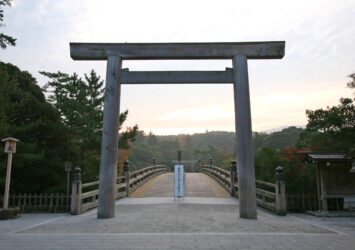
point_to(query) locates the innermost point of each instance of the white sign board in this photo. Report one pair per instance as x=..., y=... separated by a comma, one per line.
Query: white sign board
x=179, y=181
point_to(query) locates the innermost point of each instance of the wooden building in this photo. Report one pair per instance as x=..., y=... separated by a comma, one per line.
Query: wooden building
x=335, y=177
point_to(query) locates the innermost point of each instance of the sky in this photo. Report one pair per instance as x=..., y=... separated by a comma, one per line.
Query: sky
x=319, y=54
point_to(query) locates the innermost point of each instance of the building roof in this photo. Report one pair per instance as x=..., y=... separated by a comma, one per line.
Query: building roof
x=10, y=139
x=327, y=157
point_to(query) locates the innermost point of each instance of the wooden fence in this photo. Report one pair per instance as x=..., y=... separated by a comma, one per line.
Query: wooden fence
x=310, y=202
x=40, y=202
x=302, y=202
x=85, y=195
x=270, y=196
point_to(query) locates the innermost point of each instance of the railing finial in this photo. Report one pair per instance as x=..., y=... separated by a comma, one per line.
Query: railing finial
x=126, y=166
x=77, y=174
x=279, y=173
x=280, y=190
x=233, y=166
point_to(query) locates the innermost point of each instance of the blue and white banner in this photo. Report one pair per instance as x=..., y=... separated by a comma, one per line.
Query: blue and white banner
x=179, y=181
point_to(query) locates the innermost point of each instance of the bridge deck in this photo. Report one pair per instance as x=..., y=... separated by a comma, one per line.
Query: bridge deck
x=196, y=185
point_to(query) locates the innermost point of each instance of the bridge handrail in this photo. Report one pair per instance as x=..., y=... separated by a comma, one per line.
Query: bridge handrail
x=89, y=184
x=267, y=184
x=270, y=196
x=93, y=183
x=142, y=175
x=146, y=169
x=82, y=201
x=222, y=176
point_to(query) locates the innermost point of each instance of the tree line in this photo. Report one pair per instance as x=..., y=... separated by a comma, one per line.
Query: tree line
x=58, y=123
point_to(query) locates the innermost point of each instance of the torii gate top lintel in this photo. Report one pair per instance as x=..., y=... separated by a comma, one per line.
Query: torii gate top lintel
x=171, y=51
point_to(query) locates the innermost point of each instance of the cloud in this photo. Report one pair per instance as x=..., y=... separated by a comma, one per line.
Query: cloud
x=319, y=52
x=205, y=113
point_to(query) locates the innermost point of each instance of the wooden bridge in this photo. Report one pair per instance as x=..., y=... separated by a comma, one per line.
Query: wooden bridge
x=157, y=181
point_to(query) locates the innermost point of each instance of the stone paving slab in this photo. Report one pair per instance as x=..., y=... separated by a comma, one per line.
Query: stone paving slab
x=178, y=218
x=177, y=242
x=327, y=233
x=28, y=220
x=187, y=241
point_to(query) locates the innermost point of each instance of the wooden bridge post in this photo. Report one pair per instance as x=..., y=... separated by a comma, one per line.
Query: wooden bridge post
x=75, y=207
x=109, y=145
x=280, y=190
x=127, y=176
x=245, y=156
x=155, y=163
x=233, y=172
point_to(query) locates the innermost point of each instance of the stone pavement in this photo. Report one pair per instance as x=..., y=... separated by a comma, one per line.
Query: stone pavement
x=195, y=223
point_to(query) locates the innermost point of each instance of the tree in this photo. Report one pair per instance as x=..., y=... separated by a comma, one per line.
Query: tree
x=266, y=161
x=25, y=114
x=331, y=129
x=220, y=158
x=80, y=103
x=299, y=178
x=5, y=40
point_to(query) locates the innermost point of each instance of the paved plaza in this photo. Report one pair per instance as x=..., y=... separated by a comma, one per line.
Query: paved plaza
x=162, y=223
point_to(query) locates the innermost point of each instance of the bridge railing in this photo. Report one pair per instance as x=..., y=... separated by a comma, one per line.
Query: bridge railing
x=271, y=196
x=85, y=196
x=222, y=176
x=139, y=177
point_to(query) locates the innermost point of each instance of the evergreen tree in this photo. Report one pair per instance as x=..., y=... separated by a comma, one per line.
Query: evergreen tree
x=80, y=103
x=331, y=129
x=25, y=114
x=5, y=40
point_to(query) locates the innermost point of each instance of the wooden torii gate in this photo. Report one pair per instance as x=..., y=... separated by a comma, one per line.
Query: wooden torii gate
x=239, y=53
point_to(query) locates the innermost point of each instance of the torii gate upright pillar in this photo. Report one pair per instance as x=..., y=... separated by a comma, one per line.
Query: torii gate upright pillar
x=245, y=156
x=109, y=145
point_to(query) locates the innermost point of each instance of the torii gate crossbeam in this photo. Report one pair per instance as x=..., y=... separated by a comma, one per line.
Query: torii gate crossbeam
x=114, y=53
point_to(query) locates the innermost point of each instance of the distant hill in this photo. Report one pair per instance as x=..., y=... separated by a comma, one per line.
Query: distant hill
x=273, y=130
x=287, y=137
x=220, y=145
